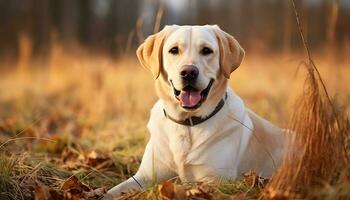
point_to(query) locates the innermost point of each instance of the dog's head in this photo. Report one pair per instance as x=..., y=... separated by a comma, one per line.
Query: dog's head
x=190, y=63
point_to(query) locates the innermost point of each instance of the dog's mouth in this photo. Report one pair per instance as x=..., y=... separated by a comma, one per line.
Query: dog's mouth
x=191, y=98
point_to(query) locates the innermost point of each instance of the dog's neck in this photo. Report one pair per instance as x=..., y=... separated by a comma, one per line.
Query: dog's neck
x=173, y=108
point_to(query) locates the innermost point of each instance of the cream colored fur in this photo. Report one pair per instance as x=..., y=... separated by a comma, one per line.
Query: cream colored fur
x=233, y=141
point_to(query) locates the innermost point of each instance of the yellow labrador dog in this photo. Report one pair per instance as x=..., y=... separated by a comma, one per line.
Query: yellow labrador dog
x=200, y=129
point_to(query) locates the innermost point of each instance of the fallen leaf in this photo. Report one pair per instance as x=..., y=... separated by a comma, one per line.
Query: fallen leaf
x=56, y=194
x=202, y=191
x=76, y=190
x=167, y=190
x=180, y=192
x=43, y=192
x=95, y=194
x=239, y=196
x=68, y=155
x=93, y=158
x=192, y=192
x=204, y=188
x=74, y=185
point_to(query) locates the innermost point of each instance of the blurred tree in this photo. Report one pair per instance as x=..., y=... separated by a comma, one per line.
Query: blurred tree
x=69, y=14
x=116, y=25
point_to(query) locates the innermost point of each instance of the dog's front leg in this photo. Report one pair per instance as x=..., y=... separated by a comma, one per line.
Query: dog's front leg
x=151, y=170
x=125, y=186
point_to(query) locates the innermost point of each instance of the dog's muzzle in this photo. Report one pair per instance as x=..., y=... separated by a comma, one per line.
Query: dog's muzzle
x=191, y=98
x=189, y=74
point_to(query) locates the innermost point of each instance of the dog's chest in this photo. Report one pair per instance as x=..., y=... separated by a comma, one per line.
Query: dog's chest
x=210, y=149
x=180, y=144
x=203, y=152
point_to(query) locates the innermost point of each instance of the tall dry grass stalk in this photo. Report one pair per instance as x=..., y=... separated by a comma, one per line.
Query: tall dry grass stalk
x=159, y=16
x=317, y=153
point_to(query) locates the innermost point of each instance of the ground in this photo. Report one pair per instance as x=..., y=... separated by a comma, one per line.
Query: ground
x=73, y=125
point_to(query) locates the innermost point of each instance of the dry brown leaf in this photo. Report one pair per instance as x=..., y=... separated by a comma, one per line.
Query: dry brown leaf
x=68, y=155
x=70, y=196
x=56, y=194
x=167, y=189
x=192, y=192
x=75, y=157
x=43, y=192
x=204, y=188
x=202, y=191
x=180, y=192
x=95, y=194
x=73, y=185
x=94, y=158
x=76, y=190
x=239, y=196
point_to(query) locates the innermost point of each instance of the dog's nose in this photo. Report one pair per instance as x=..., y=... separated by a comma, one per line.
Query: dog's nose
x=189, y=72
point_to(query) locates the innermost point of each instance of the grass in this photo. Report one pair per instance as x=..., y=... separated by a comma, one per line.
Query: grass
x=317, y=156
x=6, y=173
x=86, y=115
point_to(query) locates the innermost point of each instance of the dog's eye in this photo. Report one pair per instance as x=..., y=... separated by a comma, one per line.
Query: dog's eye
x=206, y=51
x=174, y=50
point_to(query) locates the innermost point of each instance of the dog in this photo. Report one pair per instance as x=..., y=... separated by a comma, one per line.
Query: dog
x=200, y=129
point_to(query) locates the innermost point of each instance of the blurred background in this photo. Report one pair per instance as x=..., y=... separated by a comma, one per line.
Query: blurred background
x=116, y=27
x=73, y=95
x=68, y=67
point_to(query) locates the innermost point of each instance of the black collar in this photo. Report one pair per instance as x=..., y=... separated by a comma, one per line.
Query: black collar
x=192, y=121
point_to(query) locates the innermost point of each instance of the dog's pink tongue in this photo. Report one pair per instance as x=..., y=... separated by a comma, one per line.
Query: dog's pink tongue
x=189, y=98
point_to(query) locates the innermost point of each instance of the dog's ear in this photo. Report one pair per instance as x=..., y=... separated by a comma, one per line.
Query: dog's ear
x=149, y=52
x=231, y=53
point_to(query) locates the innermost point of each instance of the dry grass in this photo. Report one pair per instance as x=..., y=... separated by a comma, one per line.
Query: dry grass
x=317, y=156
x=86, y=102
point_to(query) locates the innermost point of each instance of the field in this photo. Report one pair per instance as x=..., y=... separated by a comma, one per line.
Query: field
x=74, y=124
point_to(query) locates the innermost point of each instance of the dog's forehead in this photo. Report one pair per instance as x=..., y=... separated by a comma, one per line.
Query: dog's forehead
x=193, y=34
